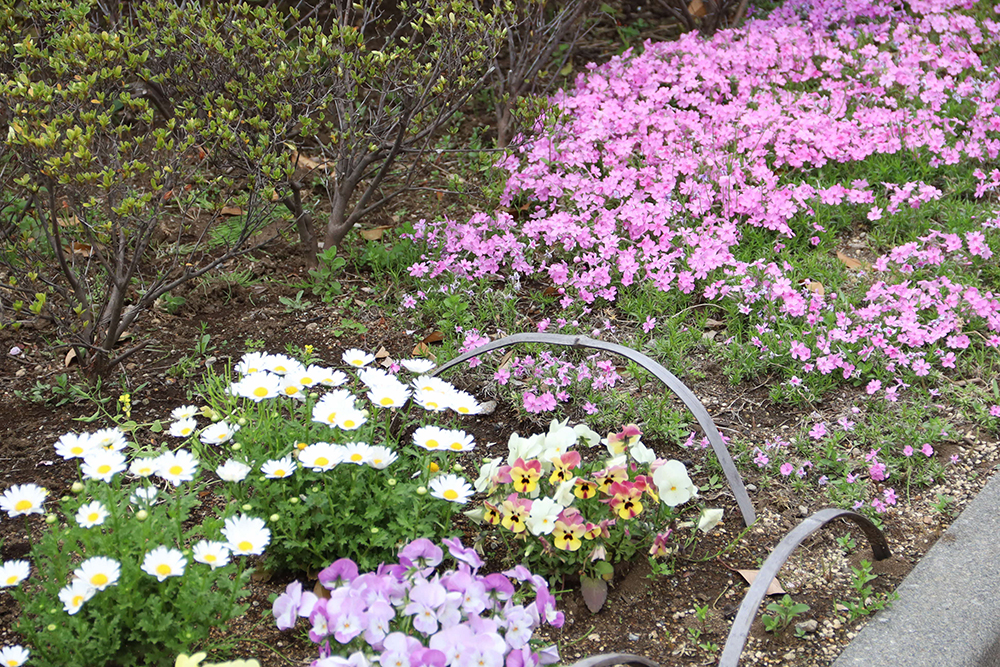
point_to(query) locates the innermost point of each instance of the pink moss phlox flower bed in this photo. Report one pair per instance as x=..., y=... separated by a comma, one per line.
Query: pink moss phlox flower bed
x=655, y=165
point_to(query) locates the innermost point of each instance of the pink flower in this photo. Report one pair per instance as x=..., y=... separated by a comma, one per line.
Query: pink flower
x=927, y=450
x=877, y=471
x=786, y=469
x=873, y=387
x=818, y=431
x=995, y=411
x=875, y=213
x=907, y=451
x=649, y=324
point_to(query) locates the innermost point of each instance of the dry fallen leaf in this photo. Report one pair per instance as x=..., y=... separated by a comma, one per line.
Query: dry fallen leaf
x=231, y=210
x=775, y=587
x=321, y=591
x=82, y=249
x=373, y=234
x=423, y=350
x=433, y=337
x=382, y=353
x=70, y=358
x=851, y=263
x=815, y=288
x=697, y=8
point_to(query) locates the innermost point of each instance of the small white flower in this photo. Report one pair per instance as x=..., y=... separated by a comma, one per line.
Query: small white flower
x=14, y=572
x=214, y=554
x=417, y=365
x=673, y=484
x=431, y=383
x=99, y=572
x=432, y=401
x=389, y=394
x=183, y=412
x=246, y=535
x=143, y=467
x=232, y=471
x=320, y=456
x=542, y=516
x=372, y=377
x=144, y=496
x=102, y=464
x=327, y=408
x=162, y=562
x=358, y=453
x=381, y=457
x=359, y=358
x=251, y=362
x=431, y=438
x=13, y=656
x=281, y=364
x=451, y=488
x=257, y=386
x=458, y=441
x=74, y=594
x=327, y=377
x=184, y=427
x=276, y=469
x=176, y=467
x=92, y=514
x=486, y=473
x=464, y=403
x=641, y=453
x=23, y=499
x=110, y=438
x=709, y=519
x=350, y=420
x=218, y=433
x=74, y=445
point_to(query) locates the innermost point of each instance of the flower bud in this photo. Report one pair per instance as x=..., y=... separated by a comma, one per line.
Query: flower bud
x=421, y=490
x=50, y=519
x=374, y=530
x=141, y=515
x=433, y=467
x=242, y=421
x=237, y=446
x=52, y=626
x=313, y=394
x=458, y=467
x=247, y=507
x=391, y=481
x=77, y=487
x=293, y=500
x=275, y=517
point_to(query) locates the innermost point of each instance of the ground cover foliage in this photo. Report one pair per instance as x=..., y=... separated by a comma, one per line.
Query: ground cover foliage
x=805, y=206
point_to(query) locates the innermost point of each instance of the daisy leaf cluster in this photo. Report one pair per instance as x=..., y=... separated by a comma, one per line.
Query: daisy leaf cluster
x=417, y=612
x=560, y=509
x=329, y=454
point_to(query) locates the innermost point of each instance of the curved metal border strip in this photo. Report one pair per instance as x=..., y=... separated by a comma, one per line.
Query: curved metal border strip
x=608, y=659
x=751, y=601
x=661, y=373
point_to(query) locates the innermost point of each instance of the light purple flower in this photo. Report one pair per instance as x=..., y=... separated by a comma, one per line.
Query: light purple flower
x=291, y=604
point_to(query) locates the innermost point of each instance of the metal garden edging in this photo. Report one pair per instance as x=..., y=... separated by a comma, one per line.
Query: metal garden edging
x=607, y=659
x=751, y=601
x=662, y=374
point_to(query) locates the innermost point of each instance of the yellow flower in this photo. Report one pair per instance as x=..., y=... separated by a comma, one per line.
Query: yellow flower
x=193, y=661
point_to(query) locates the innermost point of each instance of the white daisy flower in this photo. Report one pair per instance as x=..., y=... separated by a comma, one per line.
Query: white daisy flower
x=327, y=377
x=310, y=376
x=381, y=457
x=183, y=412
x=459, y=441
x=145, y=496
x=184, y=427
x=390, y=394
x=110, y=438
x=214, y=554
x=23, y=499
x=74, y=445
x=14, y=572
x=451, y=488
x=327, y=408
x=176, y=467
x=13, y=656
x=356, y=357
x=91, y=514
x=143, y=466
x=246, y=535
x=276, y=469
x=281, y=364
x=320, y=456
x=432, y=401
x=291, y=387
x=432, y=438
x=102, y=464
x=358, y=453
x=219, y=433
x=251, y=362
x=74, y=594
x=257, y=386
x=232, y=471
x=162, y=562
x=374, y=376
x=464, y=403
x=418, y=366
x=349, y=420
x=99, y=572
x=431, y=383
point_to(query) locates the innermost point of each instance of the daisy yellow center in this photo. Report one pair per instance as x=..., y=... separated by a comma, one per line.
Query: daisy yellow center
x=322, y=461
x=280, y=369
x=386, y=401
x=176, y=470
x=300, y=445
x=163, y=569
x=186, y=430
x=76, y=450
x=211, y=558
x=77, y=600
x=306, y=380
x=245, y=545
x=457, y=446
x=99, y=579
x=104, y=469
x=377, y=461
x=260, y=392
x=356, y=457
x=11, y=580
x=332, y=418
x=252, y=370
x=451, y=494
x=93, y=516
x=356, y=362
x=22, y=505
x=432, y=405
x=349, y=423
x=432, y=444
x=291, y=390
x=464, y=410
x=280, y=472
